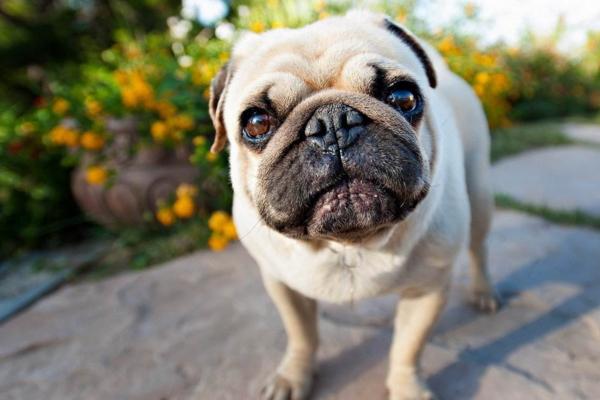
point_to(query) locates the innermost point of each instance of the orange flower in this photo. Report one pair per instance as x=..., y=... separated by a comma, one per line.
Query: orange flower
x=447, y=46
x=92, y=141
x=183, y=121
x=96, y=175
x=165, y=216
x=199, y=141
x=164, y=109
x=229, y=231
x=186, y=190
x=217, y=242
x=93, y=108
x=218, y=220
x=129, y=98
x=212, y=157
x=184, y=207
x=257, y=26
x=64, y=136
x=159, y=131
x=135, y=90
x=60, y=106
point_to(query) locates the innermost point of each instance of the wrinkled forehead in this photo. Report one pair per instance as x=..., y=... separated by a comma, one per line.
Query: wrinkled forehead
x=285, y=65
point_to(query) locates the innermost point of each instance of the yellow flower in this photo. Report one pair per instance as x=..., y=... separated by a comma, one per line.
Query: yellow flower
x=135, y=90
x=92, y=141
x=257, y=26
x=212, y=157
x=223, y=56
x=184, y=207
x=159, y=131
x=229, y=230
x=121, y=77
x=479, y=89
x=482, y=78
x=447, y=46
x=96, y=175
x=323, y=15
x=27, y=128
x=199, y=141
x=401, y=16
x=164, y=109
x=184, y=122
x=60, y=106
x=218, y=220
x=277, y=25
x=93, y=108
x=186, y=190
x=129, y=98
x=217, y=242
x=63, y=136
x=320, y=5
x=165, y=216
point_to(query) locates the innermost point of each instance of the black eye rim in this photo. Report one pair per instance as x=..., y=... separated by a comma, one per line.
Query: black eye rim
x=245, y=117
x=414, y=89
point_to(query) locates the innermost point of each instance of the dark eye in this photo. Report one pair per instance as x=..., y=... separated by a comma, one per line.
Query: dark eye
x=403, y=99
x=258, y=123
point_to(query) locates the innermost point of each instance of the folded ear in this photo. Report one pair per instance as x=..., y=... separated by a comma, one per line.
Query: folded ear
x=218, y=86
x=412, y=43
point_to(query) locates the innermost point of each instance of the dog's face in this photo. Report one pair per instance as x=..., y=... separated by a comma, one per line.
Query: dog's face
x=324, y=126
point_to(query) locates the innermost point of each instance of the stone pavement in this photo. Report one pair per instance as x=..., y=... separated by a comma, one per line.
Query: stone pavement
x=583, y=132
x=564, y=178
x=202, y=327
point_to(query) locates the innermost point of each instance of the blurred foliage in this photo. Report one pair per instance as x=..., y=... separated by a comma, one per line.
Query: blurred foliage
x=38, y=37
x=37, y=205
x=70, y=65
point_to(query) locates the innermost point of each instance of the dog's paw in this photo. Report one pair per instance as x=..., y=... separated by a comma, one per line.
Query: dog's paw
x=486, y=301
x=410, y=387
x=281, y=388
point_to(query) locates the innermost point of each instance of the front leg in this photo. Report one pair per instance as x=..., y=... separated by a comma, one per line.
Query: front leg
x=294, y=376
x=414, y=319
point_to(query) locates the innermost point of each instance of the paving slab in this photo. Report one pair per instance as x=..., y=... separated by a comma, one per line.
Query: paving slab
x=202, y=327
x=583, y=132
x=563, y=178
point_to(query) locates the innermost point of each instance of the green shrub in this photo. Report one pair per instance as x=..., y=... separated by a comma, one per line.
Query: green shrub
x=37, y=208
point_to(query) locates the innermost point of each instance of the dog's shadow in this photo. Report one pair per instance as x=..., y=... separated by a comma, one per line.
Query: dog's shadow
x=459, y=379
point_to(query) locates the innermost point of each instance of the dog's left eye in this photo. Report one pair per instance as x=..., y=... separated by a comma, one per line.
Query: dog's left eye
x=403, y=99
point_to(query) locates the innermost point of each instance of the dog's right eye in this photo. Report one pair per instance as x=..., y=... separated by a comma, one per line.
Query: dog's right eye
x=256, y=124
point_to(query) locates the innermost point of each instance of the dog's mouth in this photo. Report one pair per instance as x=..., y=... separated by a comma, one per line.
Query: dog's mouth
x=355, y=209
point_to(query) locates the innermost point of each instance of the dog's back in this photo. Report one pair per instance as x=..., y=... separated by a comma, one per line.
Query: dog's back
x=475, y=136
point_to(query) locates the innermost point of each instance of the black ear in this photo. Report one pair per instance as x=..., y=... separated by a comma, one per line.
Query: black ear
x=411, y=42
x=215, y=106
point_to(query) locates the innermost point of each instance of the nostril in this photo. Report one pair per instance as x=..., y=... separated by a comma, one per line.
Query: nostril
x=354, y=118
x=313, y=127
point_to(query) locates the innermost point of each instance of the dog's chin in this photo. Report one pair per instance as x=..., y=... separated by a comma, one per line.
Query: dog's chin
x=353, y=211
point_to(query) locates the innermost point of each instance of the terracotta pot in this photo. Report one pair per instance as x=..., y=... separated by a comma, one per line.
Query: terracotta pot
x=142, y=178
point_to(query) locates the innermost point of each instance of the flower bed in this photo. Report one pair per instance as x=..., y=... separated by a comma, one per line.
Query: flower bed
x=158, y=173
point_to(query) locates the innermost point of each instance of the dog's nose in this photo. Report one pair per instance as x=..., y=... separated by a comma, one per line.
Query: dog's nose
x=334, y=126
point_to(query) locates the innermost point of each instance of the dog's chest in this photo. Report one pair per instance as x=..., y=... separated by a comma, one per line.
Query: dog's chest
x=338, y=273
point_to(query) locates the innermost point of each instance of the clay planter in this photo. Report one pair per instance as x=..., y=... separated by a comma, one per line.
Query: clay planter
x=142, y=178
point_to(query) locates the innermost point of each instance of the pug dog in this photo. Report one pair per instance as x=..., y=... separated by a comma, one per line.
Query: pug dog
x=360, y=166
